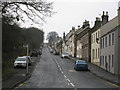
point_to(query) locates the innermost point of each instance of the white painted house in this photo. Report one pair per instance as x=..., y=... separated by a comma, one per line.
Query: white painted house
x=109, y=46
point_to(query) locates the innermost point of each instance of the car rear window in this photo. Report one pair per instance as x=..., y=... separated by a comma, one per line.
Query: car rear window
x=80, y=62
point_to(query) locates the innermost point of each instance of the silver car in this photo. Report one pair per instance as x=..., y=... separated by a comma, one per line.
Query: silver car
x=65, y=55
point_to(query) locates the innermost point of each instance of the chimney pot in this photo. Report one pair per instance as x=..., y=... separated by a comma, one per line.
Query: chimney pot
x=78, y=26
x=103, y=12
x=107, y=13
x=73, y=28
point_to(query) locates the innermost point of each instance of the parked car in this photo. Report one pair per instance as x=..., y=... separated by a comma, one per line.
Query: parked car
x=55, y=52
x=34, y=54
x=39, y=52
x=22, y=61
x=80, y=65
x=65, y=55
x=51, y=50
x=29, y=60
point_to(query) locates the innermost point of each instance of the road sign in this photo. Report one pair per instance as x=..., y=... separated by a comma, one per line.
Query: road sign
x=25, y=45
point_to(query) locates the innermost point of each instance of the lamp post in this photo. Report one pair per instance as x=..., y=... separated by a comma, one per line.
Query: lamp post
x=26, y=46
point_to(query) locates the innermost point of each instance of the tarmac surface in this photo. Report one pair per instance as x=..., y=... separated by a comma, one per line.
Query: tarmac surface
x=50, y=71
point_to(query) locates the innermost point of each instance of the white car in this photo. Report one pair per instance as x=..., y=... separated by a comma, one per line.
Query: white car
x=29, y=60
x=65, y=55
x=21, y=61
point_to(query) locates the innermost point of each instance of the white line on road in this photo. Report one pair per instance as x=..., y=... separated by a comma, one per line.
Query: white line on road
x=62, y=72
x=60, y=69
x=65, y=76
x=72, y=84
x=68, y=80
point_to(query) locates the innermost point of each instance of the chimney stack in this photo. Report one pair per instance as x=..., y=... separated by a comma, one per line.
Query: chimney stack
x=78, y=26
x=97, y=22
x=105, y=18
x=73, y=28
x=85, y=24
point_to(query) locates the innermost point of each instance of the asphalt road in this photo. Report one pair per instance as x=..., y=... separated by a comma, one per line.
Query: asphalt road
x=54, y=72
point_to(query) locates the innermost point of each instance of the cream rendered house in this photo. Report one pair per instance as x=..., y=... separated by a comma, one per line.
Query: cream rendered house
x=79, y=49
x=95, y=47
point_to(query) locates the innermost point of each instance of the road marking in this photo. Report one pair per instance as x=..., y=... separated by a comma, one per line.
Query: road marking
x=72, y=84
x=112, y=84
x=68, y=80
x=20, y=85
x=72, y=71
x=65, y=76
x=60, y=69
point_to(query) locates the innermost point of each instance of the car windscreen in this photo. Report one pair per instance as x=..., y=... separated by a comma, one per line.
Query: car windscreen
x=20, y=59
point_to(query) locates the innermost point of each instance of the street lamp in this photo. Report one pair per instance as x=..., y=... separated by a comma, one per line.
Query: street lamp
x=98, y=40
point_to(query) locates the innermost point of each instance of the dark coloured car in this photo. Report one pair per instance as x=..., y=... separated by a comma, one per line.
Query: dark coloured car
x=34, y=54
x=39, y=52
x=55, y=52
x=81, y=65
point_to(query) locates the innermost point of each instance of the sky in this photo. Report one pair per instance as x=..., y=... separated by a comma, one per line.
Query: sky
x=71, y=13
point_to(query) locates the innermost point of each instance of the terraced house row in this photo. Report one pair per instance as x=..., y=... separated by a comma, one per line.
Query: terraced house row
x=99, y=45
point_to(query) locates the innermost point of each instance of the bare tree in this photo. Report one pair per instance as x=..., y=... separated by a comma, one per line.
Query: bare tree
x=51, y=36
x=34, y=11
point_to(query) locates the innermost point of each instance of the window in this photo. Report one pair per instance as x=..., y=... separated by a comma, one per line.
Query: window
x=94, y=38
x=112, y=60
x=91, y=38
x=106, y=61
x=113, y=38
x=109, y=62
x=106, y=41
x=103, y=61
x=109, y=40
x=103, y=43
x=98, y=34
x=96, y=53
x=93, y=53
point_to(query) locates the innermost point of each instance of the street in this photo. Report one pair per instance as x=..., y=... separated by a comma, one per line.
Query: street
x=54, y=72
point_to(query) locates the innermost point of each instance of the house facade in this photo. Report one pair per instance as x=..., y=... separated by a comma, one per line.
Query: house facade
x=82, y=37
x=69, y=42
x=95, y=48
x=95, y=38
x=119, y=38
x=109, y=46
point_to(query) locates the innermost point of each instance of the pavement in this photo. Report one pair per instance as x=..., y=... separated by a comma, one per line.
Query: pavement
x=98, y=71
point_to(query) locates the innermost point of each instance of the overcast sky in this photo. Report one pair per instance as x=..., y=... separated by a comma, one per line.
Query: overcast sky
x=75, y=12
